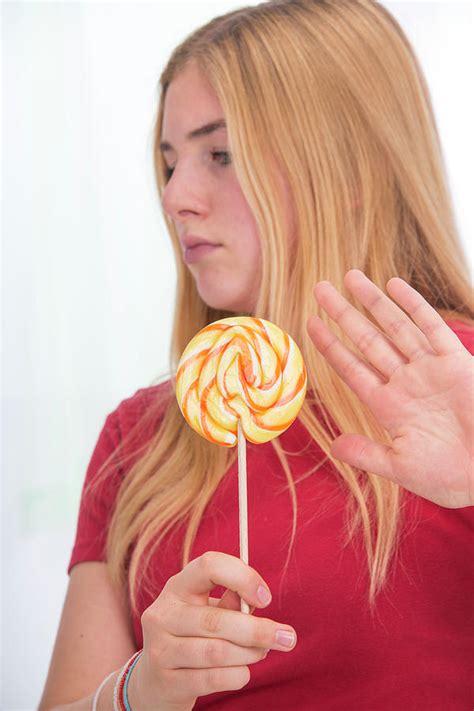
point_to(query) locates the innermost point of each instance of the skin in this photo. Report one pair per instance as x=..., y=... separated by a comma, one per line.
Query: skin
x=415, y=376
x=203, y=197
x=193, y=644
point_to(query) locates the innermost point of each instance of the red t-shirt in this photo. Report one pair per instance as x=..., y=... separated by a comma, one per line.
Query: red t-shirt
x=414, y=653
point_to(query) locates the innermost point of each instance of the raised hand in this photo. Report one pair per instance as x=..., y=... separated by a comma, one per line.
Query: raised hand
x=416, y=377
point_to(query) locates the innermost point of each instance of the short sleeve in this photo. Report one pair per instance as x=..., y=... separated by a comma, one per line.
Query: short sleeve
x=125, y=433
x=97, y=498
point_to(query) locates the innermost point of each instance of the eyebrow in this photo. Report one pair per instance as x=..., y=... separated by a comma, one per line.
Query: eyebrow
x=196, y=133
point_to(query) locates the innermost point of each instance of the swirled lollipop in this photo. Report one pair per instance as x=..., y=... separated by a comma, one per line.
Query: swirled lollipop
x=241, y=368
x=241, y=378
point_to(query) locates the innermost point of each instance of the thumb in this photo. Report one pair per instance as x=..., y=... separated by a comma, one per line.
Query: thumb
x=363, y=453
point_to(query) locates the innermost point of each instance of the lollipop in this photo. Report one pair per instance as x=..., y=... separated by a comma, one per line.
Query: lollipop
x=241, y=378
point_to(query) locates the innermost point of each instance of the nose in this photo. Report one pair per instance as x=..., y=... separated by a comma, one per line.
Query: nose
x=184, y=195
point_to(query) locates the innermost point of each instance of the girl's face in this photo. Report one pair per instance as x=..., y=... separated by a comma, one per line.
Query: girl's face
x=216, y=228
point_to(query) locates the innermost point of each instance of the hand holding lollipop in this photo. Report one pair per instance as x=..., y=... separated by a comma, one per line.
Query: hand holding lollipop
x=241, y=378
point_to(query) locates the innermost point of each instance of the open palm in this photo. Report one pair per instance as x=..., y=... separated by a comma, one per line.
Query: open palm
x=416, y=379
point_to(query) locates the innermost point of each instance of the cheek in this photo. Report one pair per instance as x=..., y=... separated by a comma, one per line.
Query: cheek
x=244, y=226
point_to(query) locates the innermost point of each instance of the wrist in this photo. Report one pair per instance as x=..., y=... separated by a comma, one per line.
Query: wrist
x=134, y=691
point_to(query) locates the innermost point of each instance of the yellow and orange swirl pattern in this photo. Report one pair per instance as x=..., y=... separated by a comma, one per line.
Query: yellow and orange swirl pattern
x=241, y=368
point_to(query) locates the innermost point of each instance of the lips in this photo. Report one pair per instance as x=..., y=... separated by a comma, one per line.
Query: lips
x=195, y=248
x=191, y=241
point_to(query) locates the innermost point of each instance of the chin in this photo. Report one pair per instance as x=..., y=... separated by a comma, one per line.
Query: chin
x=225, y=302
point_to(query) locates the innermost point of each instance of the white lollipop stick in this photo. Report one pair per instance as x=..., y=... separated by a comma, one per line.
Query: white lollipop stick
x=243, y=518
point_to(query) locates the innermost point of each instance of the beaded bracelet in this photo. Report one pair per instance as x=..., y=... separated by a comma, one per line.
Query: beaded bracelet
x=97, y=693
x=121, y=685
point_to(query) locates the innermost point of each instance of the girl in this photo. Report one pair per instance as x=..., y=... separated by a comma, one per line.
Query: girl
x=295, y=146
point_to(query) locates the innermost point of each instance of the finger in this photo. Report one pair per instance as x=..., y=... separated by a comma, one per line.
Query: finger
x=378, y=350
x=231, y=625
x=363, y=453
x=228, y=602
x=201, y=682
x=200, y=653
x=359, y=376
x=202, y=574
x=231, y=601
x=397, y=325
x=438, y=334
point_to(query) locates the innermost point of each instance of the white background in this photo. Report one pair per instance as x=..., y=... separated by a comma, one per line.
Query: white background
x=88, y=275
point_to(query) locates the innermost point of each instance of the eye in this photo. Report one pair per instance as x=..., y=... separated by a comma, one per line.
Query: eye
x=222, y=154
x=223, y=158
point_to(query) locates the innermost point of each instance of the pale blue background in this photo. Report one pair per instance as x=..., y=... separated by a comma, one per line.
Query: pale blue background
x=88, y=272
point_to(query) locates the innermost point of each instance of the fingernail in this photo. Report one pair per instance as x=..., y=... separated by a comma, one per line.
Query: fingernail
x=285, y=638
x=264, y=594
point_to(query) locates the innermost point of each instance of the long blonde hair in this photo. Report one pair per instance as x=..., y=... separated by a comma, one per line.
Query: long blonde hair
x=329, y=95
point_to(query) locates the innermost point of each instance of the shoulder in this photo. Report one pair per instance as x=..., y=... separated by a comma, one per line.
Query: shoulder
x=127, y=432
x=140, y=413
x=145, y=400
x=464, y=331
